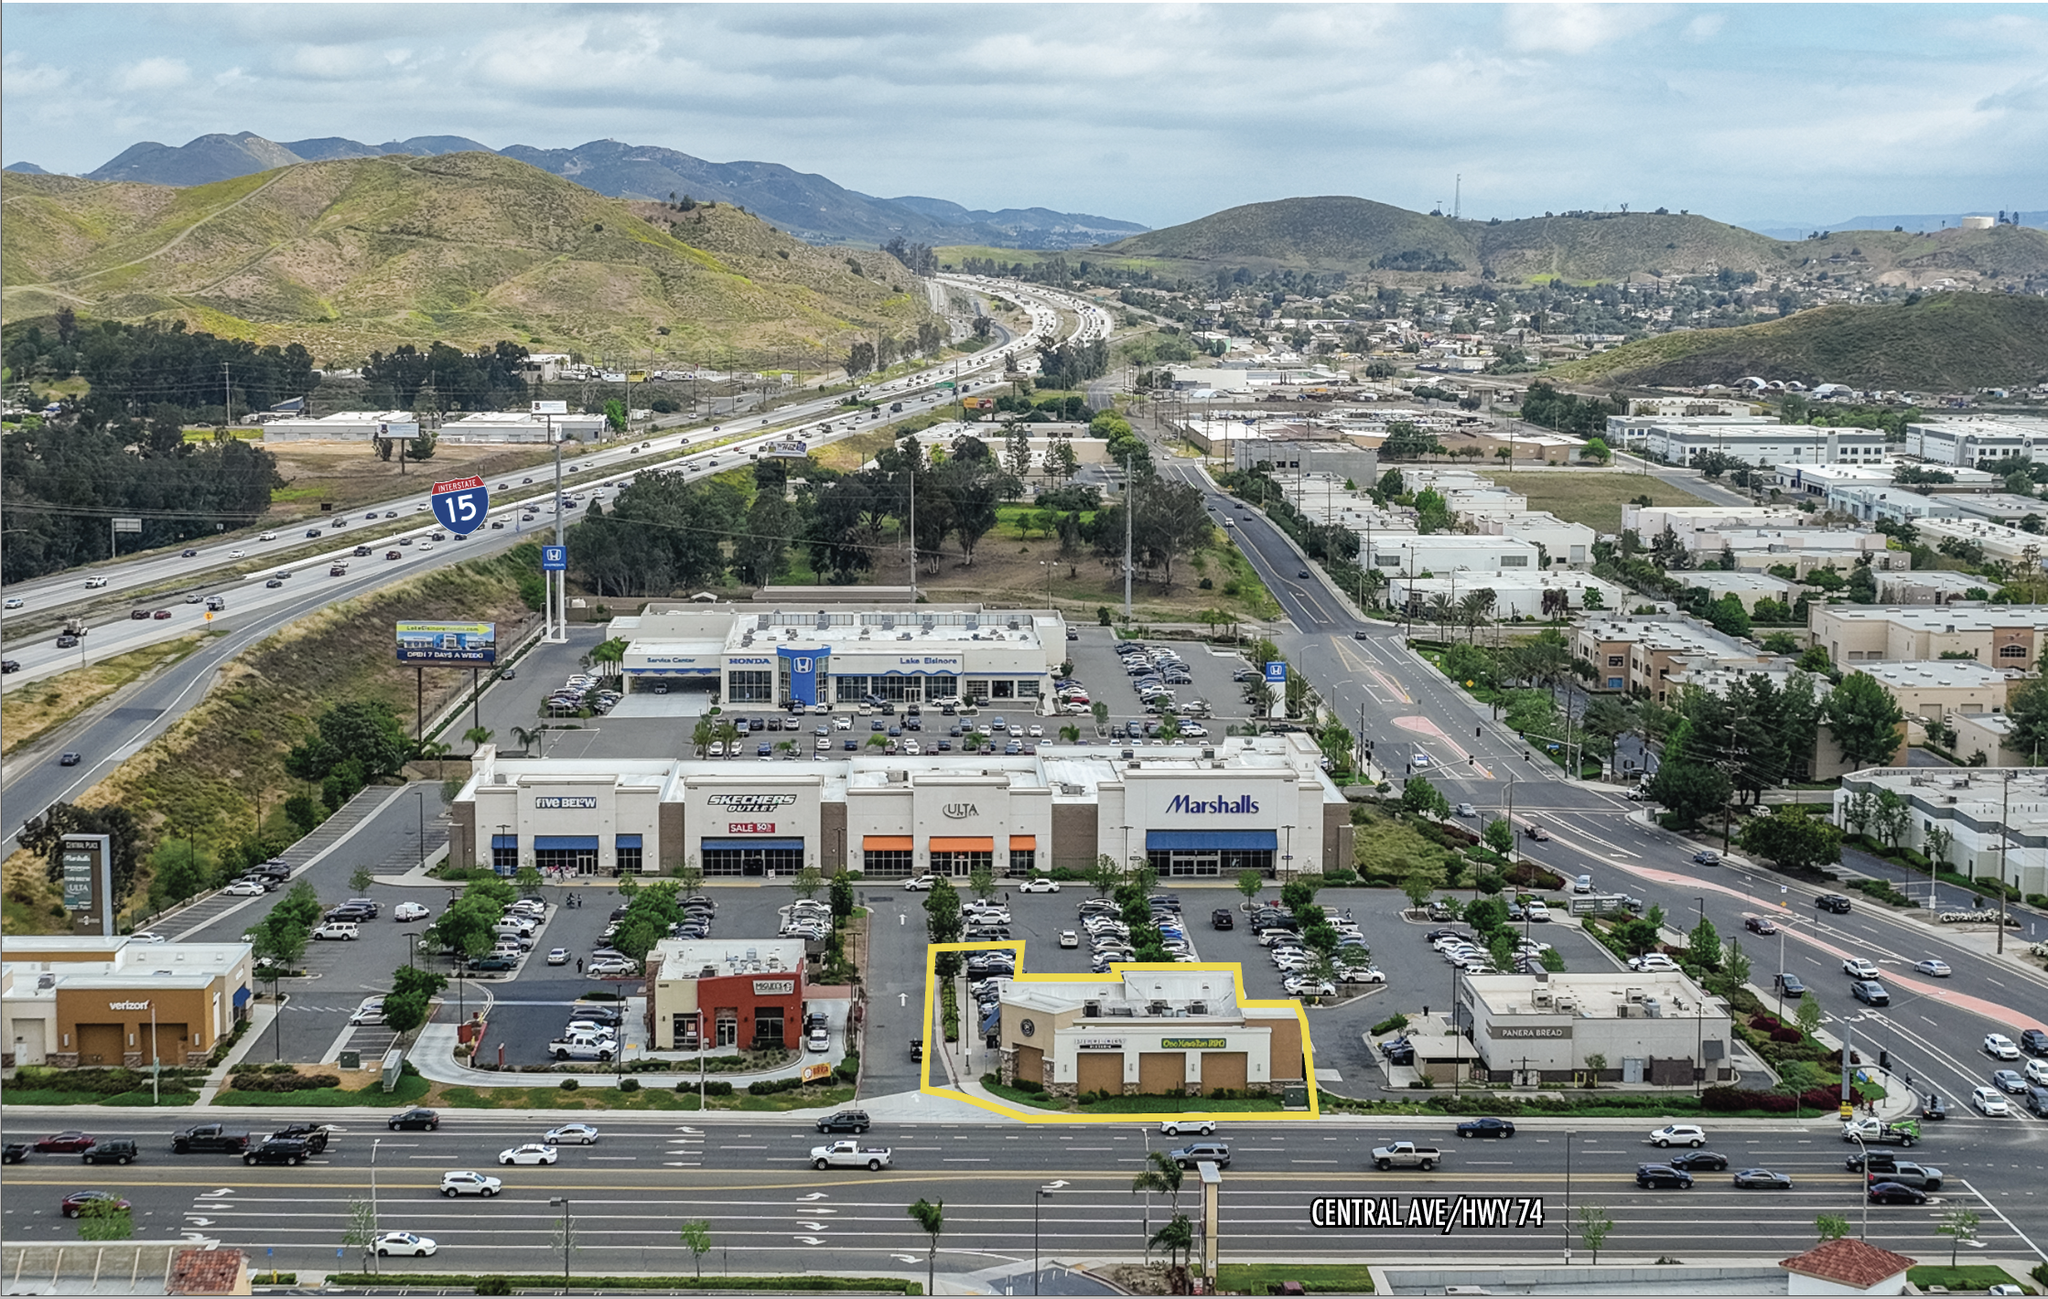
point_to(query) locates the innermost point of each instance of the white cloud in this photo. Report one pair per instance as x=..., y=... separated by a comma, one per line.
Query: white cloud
x=1575, y=28
x=1705, y=27
x=153, y=74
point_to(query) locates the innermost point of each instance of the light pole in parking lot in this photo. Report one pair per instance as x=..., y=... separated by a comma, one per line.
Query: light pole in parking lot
x=411, y=938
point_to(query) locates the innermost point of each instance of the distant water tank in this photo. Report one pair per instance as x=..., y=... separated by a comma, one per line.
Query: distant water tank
x=1978, y=223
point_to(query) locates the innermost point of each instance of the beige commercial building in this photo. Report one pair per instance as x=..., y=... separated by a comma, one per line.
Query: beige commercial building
x=120, y=1001
x=1934, y=689
x=1149, y=1031
x=1661, y=1030
x=1997, y=635
x=1640, y=656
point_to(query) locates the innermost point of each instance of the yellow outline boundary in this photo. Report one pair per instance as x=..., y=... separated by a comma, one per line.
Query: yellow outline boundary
x=1016, y=949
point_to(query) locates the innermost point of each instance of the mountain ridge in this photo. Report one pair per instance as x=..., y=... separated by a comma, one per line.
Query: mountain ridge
x=811, y=206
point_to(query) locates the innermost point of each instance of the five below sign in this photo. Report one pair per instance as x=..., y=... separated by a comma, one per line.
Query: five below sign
x=461, y=505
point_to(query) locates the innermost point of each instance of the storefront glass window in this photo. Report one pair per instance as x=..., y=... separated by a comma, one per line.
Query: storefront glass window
x=886, y=863
x=750, y=687
x=1028, y=689
x=629, y=860
x=728, y=1027
x=849, y=690
x=1023, y=861
x=941, y=685
x=505, y=860
x=753, y=861
x=977, y=688
x=1184, y=862
x=1004, y=689
x=767, y=1026
x=962, y=863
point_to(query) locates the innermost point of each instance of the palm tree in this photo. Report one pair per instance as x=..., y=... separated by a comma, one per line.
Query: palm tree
x=1162, y=1175
x=1475, y=609
x=478, y=737
x=1070, y=733
x=526, y=736
x=727, y=734
x=702, y=734
x=1177, y=1238
x=611, y=654
x=1442, y=612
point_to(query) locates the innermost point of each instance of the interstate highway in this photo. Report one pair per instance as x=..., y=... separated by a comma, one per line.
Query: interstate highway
x=769, y=1211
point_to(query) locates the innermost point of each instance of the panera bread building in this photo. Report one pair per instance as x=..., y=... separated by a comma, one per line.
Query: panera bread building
x=1192, y=811
x=1149, y=1031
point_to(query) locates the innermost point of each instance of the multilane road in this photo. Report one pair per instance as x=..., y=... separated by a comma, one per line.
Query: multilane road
x=768, y=1210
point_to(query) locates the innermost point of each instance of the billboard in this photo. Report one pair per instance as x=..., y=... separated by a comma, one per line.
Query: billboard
x=474, y=643
x=788, y=450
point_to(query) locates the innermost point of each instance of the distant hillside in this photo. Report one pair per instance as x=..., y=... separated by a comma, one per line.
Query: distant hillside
x=808, y=206
x=1943, y=342
x=365, y=253
x=1360, y=236
x=27, y=168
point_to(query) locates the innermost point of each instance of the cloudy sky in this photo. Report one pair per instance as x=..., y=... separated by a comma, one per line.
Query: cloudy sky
x=1807, y=114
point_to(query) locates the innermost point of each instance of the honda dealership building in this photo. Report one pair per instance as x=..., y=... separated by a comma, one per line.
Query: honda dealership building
x=1258, y=802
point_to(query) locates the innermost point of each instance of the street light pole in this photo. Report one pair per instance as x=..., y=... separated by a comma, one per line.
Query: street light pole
x=1697, y=1030
x=568, y=1233
x=411, y=941
x=1863, y=1159
x=374, y=1221
x=421, y=793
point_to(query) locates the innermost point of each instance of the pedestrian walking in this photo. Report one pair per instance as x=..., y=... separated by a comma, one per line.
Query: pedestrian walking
x=579, y=965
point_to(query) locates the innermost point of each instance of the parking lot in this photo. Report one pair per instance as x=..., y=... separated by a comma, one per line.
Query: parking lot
x=1102, y=673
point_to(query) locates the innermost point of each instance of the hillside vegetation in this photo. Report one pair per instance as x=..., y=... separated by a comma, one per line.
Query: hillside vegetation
x=1940, y=342
x=469, y=248
x=1357, y=236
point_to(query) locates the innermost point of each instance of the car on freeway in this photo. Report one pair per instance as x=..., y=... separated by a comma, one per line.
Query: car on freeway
x=467, y=1183
x=95, y=583
x=1896, y=1193
x=1699, y=1161
x=1870, y=992
x=854, y=1121
x=1934, y=966
x=1486, y=1127
x=274, y=583
x=1987, y=1101
x=581, y=1134
x=417, y=1119
x=188, y=553
x=74, y=1204
x=2000, y=1047
x=1762, y=1179
x=405, y=1243
x=1183, y=1127
x=533, y=1152
x=1651, y=1176
x=1679, y=1134
x=1858, y=968
x=69, y=1142
x=2010, y=1082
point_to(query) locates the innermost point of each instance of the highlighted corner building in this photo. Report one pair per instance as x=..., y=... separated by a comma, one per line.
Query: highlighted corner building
x=1181, y=1030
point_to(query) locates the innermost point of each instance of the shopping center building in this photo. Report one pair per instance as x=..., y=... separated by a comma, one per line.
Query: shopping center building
x=830, y=654
x=119, y=1001
x=1243, y=802
x=742, y=992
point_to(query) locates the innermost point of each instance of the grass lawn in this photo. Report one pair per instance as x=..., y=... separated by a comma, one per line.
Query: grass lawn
x=1017, y=1095
x=1388, y=848
x=1970, y=1278
x=1316, y=1278
x=1183, y=1105
x=1592, y=497
x=36, y=709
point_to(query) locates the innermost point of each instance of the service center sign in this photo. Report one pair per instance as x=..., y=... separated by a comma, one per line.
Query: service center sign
x=461, y=504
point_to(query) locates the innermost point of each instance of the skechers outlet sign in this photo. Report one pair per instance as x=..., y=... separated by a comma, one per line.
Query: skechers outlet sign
x=1221, y=805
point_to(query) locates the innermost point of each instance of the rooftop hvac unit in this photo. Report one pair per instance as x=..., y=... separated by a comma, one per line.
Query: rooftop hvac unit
x=1156, y=1008
x=888, y=622
x=1124, y=1012
x=1540, y=997
x=1634, y=994
x=1013, y=624
x=1567, y=1006
x=897, y=775
x=709, y=972
x=1091, y=1010
x=1198, y=1008
x=902, y=635
x=752, y=955
x=762, y=622
x=1209, y=753
x=1653, y=1008
x=1623, y=1011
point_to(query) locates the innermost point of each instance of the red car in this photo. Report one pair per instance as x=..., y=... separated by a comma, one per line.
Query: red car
x=74, y=1204
x=393, y=554
x=161, y=614
x=66, y=1143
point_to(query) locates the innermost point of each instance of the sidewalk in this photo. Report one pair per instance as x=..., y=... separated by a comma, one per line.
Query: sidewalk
x=261, y=1015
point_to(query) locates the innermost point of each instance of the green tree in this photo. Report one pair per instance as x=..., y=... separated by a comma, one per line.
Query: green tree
x=1105, y=875
x=1177, y=1238
x=1596, y=1064
x=1594, y=1226
x=610, y=655
x=942, y=924
x=1418, y=795
x=842, y=897
x=1162, y=1175
x=1500, y=835
x=2027, y=710
x=982, y=882
x=806, y=882
x=1808, y=1015
x=410, y=1002
x=1420, y=882
x=1891, y=817
x=1689, y=792
x=107, y=1219
x=1792, y=839
x=689, y=876
x=1703, y=949
x=1866, y=720
x=930, y=1219
x=1735, y=965
x=1830, y=1226
x=362, y=1230
x=1959, y=1225
x=697, y=1235
x=360, y=879
x=615, y=414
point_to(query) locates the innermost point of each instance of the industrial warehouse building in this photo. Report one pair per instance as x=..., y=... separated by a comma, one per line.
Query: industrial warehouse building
x=120, y=1001
x=1245, y=802
x=912, y=654
x=1147, y=1032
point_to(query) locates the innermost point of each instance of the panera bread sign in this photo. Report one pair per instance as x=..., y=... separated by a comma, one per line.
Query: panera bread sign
x=774, y=987
x=1528, y=1031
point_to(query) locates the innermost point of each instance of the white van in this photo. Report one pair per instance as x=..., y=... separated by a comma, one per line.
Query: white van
x=1583, y=884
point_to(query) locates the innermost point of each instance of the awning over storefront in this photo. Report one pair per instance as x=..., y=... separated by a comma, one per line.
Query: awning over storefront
x=564, y=842
x=887, y=843
x=629, y=841
x=969, y=844
x=742, y=845
x=504, y=841
x=1217, y=840
x=1023, y=843
x=241, y=998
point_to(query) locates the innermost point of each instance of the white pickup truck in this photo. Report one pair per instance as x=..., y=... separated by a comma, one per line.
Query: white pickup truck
x=1406, y=1154
x=583, y=1048
x=850, y=1154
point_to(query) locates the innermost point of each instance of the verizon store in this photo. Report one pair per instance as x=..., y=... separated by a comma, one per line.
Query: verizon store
x=1260, y=803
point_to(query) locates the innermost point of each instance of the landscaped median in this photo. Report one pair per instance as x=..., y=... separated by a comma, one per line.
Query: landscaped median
x=444, y=1282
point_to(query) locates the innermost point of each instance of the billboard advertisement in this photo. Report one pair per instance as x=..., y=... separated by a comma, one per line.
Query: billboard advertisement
x=472, y=643
x=788, y=450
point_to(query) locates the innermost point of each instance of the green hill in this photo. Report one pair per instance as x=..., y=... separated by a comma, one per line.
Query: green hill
x=1941, y=342
x=1359, y=236
x=469, y=248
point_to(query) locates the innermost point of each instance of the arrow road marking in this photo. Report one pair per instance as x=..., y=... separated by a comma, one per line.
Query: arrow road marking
x=814, y=1195
x=906, y=1258
x=813, y=1240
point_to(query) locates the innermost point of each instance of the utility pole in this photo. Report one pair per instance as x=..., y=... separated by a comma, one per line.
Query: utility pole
x=1130, y=509
x=914, y=452
x=227, y=397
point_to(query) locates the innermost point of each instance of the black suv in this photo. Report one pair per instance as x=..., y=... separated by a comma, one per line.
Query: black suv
x=844, y=1121
x=1651, y=1175
x=414, y=1120
x=350, y=914
x=2034, y=1042
x=1221, y=918
x=1834, y=902
x=278, y=1150
x=110, y=1152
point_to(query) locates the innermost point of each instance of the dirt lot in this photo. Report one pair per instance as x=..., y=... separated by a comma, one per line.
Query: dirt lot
x=347, y=476
x=1592, y=497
